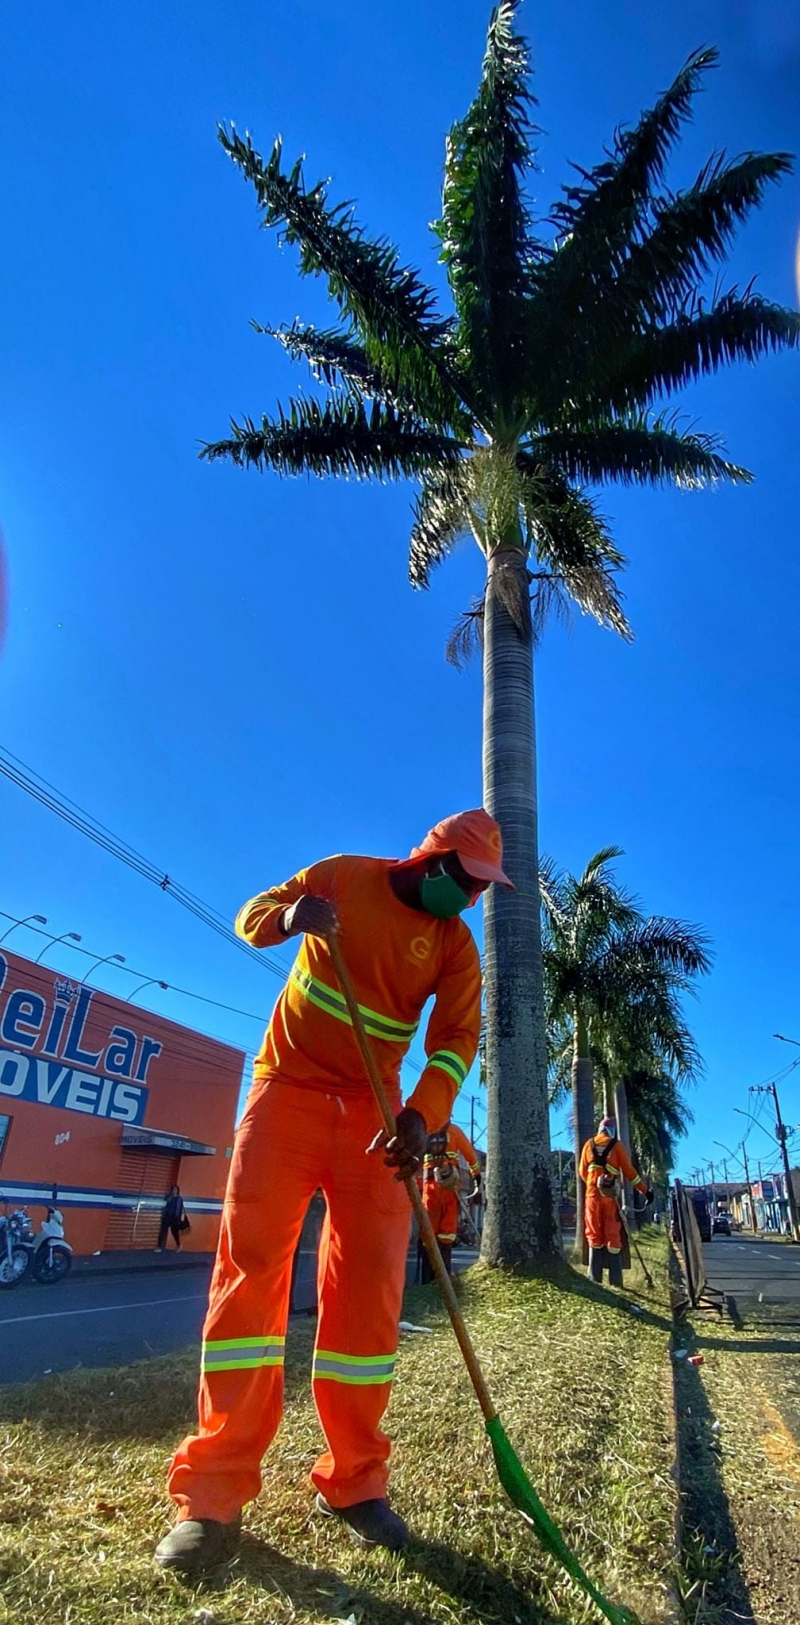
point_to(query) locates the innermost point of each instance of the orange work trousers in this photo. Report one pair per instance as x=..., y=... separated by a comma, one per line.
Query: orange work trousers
x=291, y=1141
x=602, y=1221
x=442, y=1209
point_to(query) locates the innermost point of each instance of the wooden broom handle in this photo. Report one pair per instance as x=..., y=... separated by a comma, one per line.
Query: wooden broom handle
x=425, y=1227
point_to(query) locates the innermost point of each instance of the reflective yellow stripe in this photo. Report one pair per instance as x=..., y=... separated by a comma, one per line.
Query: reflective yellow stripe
x=356, y=1370
x=333, y=1003
x=449, y=1062
x=242, y=1353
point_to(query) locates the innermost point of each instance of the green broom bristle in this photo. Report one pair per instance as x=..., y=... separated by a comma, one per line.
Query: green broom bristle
x=519, y=1489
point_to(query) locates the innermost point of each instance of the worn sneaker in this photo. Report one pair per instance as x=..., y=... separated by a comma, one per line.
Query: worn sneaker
x=371, y=1523
x=199, y=1544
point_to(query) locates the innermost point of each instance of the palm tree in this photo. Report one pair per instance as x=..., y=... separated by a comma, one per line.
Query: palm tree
x=659, y=1117
x=647, y=1054
x=613, y=980
x=541, y=381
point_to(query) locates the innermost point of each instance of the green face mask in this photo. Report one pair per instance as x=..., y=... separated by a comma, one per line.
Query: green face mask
x=442, y=897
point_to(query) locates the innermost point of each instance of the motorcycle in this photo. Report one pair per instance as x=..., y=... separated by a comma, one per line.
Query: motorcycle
x=52, y=1256
x=48, y=1255
x=16, y=1245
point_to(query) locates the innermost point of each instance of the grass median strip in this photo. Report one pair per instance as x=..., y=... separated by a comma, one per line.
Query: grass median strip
x=584, y=1387
x=739, y=1419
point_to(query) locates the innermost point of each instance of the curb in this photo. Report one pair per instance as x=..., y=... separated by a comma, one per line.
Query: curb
x=83, y=1271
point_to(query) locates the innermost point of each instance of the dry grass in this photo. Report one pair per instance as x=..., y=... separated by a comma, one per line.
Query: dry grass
x=582, y=1385
x=740, y=1440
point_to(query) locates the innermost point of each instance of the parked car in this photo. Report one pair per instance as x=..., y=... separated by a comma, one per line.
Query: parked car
x=722, y=1224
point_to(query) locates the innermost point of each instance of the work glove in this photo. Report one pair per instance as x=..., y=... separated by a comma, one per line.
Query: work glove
x=313, y=916
x=649, y=1195
x=406, y=1148
x=476, y=1195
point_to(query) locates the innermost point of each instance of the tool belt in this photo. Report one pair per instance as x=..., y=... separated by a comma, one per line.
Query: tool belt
x=446, y=1175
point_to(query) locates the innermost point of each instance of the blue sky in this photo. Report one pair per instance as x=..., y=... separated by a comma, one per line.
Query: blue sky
x=231, y=671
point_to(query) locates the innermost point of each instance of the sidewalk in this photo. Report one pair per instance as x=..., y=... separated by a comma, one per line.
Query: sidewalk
x=131, y=1261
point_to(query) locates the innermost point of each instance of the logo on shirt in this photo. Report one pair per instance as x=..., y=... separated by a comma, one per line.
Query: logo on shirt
x=419, y=950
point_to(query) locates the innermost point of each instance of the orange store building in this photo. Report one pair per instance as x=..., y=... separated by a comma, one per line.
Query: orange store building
x=103, y=1106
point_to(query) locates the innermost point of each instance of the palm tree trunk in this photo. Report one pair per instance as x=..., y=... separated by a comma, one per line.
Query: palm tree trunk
x=522, y=1224
x=582, y=1118
x=623, y=1133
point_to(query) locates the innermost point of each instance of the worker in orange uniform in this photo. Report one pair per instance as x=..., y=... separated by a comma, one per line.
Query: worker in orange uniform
x=441, y=1185
x=308, y=1122
x=603, y=1166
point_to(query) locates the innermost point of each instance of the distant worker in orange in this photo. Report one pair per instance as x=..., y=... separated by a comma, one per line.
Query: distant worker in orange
x=603, y=1166
x=441, y=1186
x=309, y=1121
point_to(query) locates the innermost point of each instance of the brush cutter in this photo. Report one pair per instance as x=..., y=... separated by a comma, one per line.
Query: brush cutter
x=467, y=1219
x=510, y=1470
x=631, y=1243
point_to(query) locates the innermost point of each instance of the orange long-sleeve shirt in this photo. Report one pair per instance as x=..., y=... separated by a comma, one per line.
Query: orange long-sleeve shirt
x=398, y=957
x=618, y=1163
x=457, y=1142
x=457, y=1145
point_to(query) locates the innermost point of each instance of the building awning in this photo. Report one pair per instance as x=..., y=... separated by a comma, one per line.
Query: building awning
x=155, y=1139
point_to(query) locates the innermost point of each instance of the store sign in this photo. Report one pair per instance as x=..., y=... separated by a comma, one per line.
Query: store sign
x=56, y=1028
x=57, y=1048
x=50, y=1083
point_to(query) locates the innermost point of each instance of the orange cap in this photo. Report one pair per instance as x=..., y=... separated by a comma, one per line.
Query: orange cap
x=476, y=840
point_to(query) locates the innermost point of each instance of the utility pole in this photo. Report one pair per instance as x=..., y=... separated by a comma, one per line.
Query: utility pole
x=725, y=1172
x=753, y=1224
x=794, y=1218
x=713, y=1191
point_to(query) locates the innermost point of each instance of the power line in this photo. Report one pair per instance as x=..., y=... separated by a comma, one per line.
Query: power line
x=143, y=976
x=48, y=796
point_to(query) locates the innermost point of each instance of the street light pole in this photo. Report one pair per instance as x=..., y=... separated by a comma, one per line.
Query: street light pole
x=66, y=936
x=106, y=960
x=39, y=918
x=149, y=981
x=753, y=1221
x=794, y=1218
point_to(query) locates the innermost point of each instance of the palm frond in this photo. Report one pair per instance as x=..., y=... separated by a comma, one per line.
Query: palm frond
x=691, y=233
x=596, y=218
x=338, y=436
x=638, y=450
x=485, y=221
x=441, y=518
x=466, y=636
x=392, y=309
x=601, y=861
x=672, y=944
x=335, y=358
x=698, y=342
x=571, y=539
x=553, y=893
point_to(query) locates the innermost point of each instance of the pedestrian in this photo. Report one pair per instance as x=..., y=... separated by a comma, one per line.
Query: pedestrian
x=441, y=1176
x=173, y=1219
x=604, y=1163
x=308, y=1122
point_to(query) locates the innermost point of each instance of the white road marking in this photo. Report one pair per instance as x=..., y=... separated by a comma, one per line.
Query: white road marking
x=104, y=1309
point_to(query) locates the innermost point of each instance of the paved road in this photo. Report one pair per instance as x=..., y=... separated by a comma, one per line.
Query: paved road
x=754, y=1272
x=113, y=1319
x=106, y=1321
